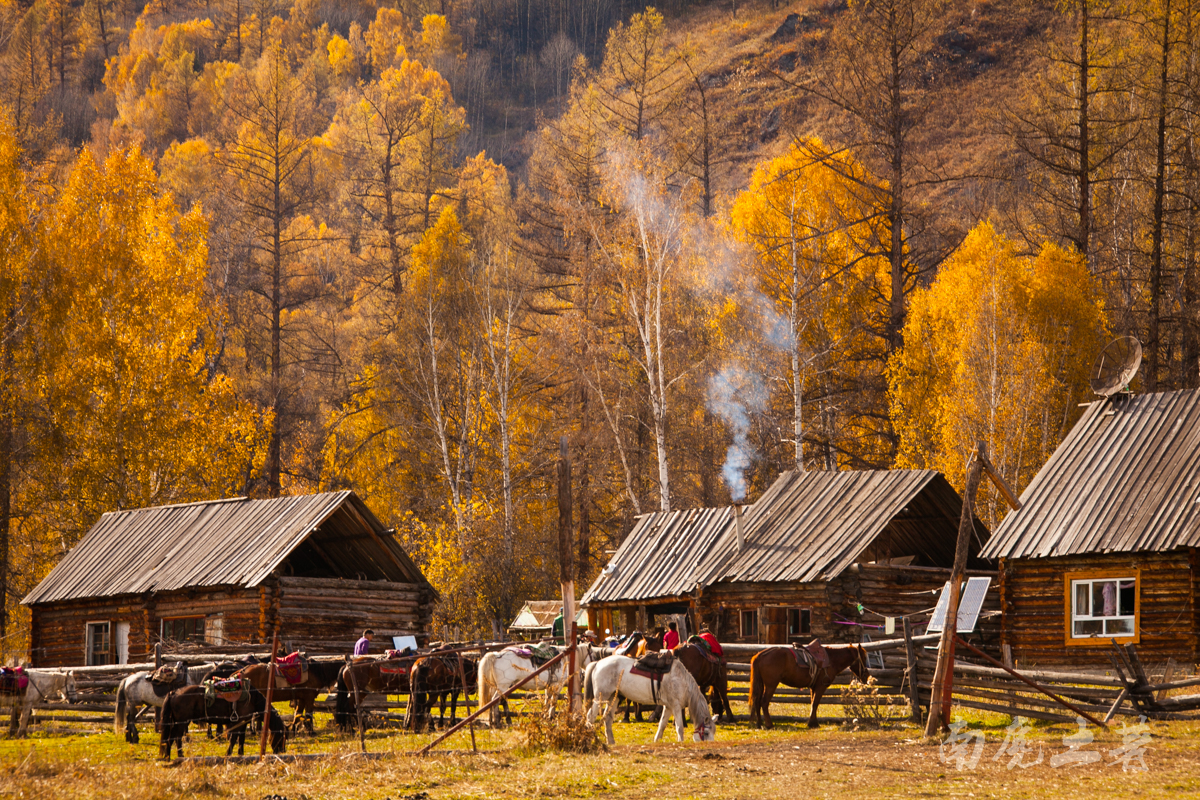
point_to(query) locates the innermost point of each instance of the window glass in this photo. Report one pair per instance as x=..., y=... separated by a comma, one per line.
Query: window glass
x=184, y=629
x=749, y=623
x=97, y=644
x=1103, y=607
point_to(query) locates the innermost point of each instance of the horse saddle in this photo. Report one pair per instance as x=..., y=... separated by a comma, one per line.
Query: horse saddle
x=168, y=677
x=654, y=665
x=537, y=653
x=231, y=690
x=393, y=654
x=290, y=670
x=812, y=655
x=13, y=680
x=705, y=649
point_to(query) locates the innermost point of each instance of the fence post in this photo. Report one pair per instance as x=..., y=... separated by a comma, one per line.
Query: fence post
x=914, y=692
x=266, y=722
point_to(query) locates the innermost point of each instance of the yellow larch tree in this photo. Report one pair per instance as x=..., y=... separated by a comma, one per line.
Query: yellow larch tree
x=805, y=222
x=997, y=350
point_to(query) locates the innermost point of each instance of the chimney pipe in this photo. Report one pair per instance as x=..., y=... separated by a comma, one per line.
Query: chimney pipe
x=737, y=523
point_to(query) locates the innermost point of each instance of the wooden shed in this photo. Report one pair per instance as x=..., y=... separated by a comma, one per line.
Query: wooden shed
x=820, y=554
x=536, y=618
x=1104, y=545
x=315, y=568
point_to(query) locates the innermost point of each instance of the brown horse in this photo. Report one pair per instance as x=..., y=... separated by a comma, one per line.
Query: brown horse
x=369, y=676
x=708, y=675
x=777, y=665
x=437, y=677
x=187, y=705
x=303, y=696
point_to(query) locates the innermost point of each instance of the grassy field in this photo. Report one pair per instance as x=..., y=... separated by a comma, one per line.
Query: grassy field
x=788, y=762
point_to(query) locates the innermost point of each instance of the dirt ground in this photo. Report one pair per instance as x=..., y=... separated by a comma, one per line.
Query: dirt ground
x=790, y=761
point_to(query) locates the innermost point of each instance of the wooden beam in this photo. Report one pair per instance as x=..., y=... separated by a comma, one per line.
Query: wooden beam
x=999, y=483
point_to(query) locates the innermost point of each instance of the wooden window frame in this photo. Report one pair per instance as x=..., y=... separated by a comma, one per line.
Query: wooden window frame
x=801, y=612
x=162, y=625
x=1101, y=574
x=753, y=612
x=87, y=643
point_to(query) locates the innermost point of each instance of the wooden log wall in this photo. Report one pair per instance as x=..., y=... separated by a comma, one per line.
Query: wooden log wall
x=336, y=611
x=1035, y=612
x=58, y=636
x=883, y=590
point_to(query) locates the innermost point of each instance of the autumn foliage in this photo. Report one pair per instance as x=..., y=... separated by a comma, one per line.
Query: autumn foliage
x=278, y=247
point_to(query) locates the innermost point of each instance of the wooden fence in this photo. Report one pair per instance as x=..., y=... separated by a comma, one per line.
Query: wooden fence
x=976, y=686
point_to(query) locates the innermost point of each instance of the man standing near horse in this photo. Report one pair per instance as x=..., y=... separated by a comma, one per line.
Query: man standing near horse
x=363, y=646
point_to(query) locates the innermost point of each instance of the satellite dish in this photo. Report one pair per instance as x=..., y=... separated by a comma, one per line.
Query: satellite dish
x=1116, y=366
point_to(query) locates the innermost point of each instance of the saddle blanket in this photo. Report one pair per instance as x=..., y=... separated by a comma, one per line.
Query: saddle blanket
x=397, y=667
x=231, y=690
x=537, y=653
x=13, y=680
x=292, y=668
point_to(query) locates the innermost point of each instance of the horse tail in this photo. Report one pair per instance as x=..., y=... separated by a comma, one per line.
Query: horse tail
x=167, y=723
x=341, y=705
x=756, y=688
x=589, y=693
x=122, y=703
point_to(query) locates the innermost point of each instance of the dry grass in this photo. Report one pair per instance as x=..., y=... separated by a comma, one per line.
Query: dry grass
x=554, y=730
x=742, y=763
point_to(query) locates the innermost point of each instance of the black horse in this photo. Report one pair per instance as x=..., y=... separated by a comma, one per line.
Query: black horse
x=189, y=704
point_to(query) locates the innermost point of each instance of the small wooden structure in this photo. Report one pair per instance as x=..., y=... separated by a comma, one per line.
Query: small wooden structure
x=317, y=569
x=536, y=619
x=821, y=554
x=1104, y=546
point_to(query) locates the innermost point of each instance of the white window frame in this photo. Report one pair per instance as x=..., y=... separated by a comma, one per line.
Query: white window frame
x=1092, y=580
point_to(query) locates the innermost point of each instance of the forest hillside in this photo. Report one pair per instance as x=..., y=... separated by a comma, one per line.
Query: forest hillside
x=260, y=247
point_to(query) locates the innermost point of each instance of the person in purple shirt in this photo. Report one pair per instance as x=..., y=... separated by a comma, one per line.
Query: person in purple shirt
x=363, y=645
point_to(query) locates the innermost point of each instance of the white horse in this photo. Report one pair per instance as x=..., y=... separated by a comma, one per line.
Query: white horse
x=44, y=685
x=136, y=691
x=500, y=670
x=605, y=680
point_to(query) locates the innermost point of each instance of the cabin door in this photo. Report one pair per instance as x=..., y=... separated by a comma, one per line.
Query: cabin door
x=774, y=625
x=122, y=642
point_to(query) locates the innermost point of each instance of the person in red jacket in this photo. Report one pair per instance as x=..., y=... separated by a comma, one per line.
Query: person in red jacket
x=671, y=637
x=713, y=644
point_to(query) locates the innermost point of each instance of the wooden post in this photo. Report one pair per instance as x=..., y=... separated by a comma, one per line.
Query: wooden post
x=266, y=723
x=1167, y=674
x=914, y=692
x=462, y=677
x=566, y=564
x=157, y=664
x=943, y=676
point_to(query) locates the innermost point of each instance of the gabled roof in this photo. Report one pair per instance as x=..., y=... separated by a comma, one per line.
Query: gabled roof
x=237, y=542
x=807, y=526
x=1126, y=479
x=812, y=525
x=662, y=556
x=539, y=614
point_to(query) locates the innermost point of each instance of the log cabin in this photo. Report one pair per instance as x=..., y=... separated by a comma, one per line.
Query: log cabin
x=315, y=569
x=1103, y=547
x=828, y=555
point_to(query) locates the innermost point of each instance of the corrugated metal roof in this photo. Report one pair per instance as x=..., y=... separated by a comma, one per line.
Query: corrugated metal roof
x=806, y=526
x=662, y=556
x=235, y=542
x=1126, y=479
x=812, y=525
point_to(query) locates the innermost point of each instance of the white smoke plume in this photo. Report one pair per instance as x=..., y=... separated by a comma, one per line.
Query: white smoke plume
x=734, y=395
